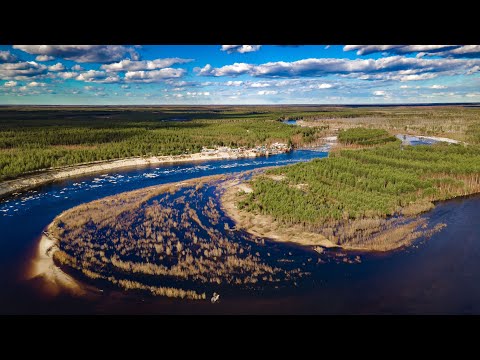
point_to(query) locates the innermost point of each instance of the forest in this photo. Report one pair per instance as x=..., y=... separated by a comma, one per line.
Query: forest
x=41, y=138
x=372, y=183
x=364, y=136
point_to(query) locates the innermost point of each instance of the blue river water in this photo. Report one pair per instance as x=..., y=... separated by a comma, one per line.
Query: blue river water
x=440, y=275
x=24, y=215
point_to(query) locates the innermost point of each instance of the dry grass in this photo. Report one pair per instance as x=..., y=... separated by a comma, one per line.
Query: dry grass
x=366, y=234
x=130, y=237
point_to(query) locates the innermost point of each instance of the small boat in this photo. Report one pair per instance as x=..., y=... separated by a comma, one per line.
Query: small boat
x=215, y=298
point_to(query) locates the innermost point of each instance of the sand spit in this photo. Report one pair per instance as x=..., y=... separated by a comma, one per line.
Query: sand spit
x=43, y=266
x=51, y=175
x=441, y=139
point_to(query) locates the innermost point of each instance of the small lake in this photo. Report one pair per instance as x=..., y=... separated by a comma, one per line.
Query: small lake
x=440, y=275
x=413, y=140
x=290, y=122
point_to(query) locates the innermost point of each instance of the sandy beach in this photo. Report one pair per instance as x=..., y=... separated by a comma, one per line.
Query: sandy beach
x=55, y=280
x=51, y=175
x=441, y=139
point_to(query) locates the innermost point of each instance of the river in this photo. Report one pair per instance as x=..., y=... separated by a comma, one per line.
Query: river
x=435, y=276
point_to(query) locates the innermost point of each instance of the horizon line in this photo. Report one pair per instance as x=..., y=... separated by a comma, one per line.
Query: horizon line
x=206, y=105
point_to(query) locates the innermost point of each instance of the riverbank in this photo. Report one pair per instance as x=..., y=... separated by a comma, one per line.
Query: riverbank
x=51, y=175
x=264, y=225
x=391, y=234
x=183, y=247
x=54, y=280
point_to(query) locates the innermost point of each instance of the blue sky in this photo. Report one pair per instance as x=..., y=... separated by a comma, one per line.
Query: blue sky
x=238, y=74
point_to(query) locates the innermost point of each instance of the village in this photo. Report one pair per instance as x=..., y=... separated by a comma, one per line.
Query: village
x=263, y=150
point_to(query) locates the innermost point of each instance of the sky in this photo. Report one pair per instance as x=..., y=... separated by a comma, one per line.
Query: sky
x=238, y=74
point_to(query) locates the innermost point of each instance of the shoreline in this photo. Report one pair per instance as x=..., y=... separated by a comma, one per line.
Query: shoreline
x=265, y=226
x=51, y=175
x=258, y=224
x=55, y=280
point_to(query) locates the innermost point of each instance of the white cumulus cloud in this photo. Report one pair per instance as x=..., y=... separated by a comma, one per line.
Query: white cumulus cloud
x=131, y=65
x=458, y=51
x=57, y=67
x=82, y=53
x=267, y=92
x=10, y=84
x=67, y=75
x=234, y=83
x=389, y=68
x=44, y=58
x=98, y=76
x=323, y=86
x=240, y=48
x=36, y=84
x=154, y=75
x=259, y=85
x=7, y=57
x=21, y=70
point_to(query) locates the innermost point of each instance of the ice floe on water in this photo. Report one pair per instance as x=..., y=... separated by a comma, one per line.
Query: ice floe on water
x=70, y=192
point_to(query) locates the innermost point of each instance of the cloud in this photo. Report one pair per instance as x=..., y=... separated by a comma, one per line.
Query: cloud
x=393, y=49
x=44, y=58
x=36, y=84
x=89, y=88
x=379, y=93
x=67, y=75
x=10, y=84
x=234, y=83
x=98, y=76
x=57, y=67
x=456, y=51
x=472, y=95
x=194, y=93
x=227, y=70
x=394, y=76
x=21, y=70
x=438, y=87
x=240, y=48
x=323, y=86
x=267, y=92
x=259, y=85
x=77, y=68
x=7, y=57
x=468, y=51
x=82, y=53
x=131, y=65
x=125, y=86
x=398, y=68
x=154, y=75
